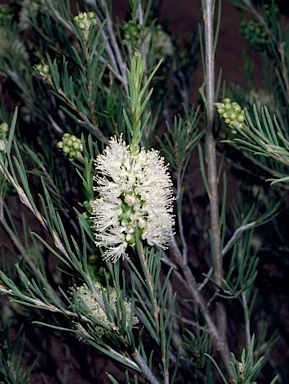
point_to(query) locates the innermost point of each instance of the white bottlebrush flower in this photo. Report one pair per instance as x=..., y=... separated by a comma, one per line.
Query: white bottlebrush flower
x=85, y=296
x=134, y=198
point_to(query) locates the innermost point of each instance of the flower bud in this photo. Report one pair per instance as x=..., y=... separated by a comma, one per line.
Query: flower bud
x=70, y=145
x=81, y=24
x=84, y=21
x=44, y=72
x=232, y=113
x=3, y=131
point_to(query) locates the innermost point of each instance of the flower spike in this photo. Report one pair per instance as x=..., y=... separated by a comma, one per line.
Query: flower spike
x=135, y=199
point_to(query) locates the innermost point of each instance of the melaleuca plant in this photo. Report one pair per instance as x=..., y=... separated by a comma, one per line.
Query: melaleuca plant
x=126, y=258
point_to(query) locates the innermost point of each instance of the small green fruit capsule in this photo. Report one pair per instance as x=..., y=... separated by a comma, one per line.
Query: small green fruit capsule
x=237, y=108
x=45, y=69
x=90, y=16
x=66, y=149
x=60, y=144
x=72, y=154
x=38, y=67
x=82, y=25
x=227, y=101
x=241, y=118
x=221, y=110
x=76, y=145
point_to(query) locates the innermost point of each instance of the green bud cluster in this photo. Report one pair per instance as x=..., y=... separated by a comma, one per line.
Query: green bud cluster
x=254, y=34
x=85, y=20
x=3, y=132
x=70, y=145
x=160, y=40
x=132, y=30
x=232, y=113
x=254, y=31
x=44, y=71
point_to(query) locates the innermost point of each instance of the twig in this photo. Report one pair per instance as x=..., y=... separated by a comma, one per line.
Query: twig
x=120, y=61
x=222, y=341
x=144, y=368
x=239, y=230
x=210, y=141
x=41, y=304
x=111, y=47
